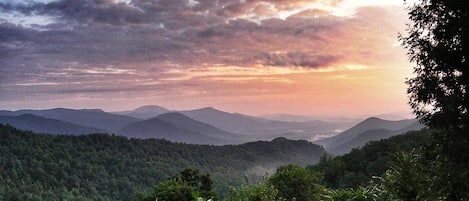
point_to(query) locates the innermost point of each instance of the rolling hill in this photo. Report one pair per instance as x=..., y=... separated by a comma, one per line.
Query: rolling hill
x=193, y=126
x=370, y=129
x=226, y=121
x=357, y=168
x=145, y=112
x=158, y=129
x=264, y=129
x=183, y=122
x=94, y=118
x=176, y=128
x=44, y=125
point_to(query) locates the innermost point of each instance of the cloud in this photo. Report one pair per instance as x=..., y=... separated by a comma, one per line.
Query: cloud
x=297, y=59
x=11, y=32
x=81, y=11
x=102, y=11
x=174, y=14
x=181, y=45
x=101, y=32
x=21, y=7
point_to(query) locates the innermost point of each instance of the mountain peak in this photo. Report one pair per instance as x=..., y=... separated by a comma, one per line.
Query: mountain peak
x=373, y=119
x=145, y=112
x=93, y=110
x=150, y=108
x=208, y=109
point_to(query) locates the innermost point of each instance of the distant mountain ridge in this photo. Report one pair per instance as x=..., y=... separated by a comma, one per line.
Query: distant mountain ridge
x=306, y=118
x=223, y=120
x=200, y=126
x=178, y=128
x=368, y=130
x=44, y=125
x=94, y=118
x=181, y=121
x=156, y=128
x=145, y=112
x=263, y=129
x=171, y=126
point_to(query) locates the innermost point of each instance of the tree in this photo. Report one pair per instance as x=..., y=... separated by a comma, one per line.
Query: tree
x=406, y=177
x=438, y=43
x=173, y=190
x=404, y=180
x=187, y=186
x=201, y=183
x=296, y=183
x=258, y=192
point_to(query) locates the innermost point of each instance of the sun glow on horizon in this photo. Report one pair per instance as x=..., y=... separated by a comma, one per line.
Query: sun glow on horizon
x=339, y=57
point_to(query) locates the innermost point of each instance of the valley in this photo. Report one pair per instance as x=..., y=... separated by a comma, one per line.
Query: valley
x=81, y=154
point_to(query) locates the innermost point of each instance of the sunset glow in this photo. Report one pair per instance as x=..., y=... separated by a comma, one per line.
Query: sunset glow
x=309, y=57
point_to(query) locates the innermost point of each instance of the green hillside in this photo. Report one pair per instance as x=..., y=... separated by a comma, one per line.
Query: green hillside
x=103, y=167
x=360, y=165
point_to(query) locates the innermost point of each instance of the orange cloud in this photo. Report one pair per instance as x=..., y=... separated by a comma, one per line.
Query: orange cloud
x=301, y=56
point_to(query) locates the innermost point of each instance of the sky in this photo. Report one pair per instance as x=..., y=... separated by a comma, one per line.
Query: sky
x=308, y=57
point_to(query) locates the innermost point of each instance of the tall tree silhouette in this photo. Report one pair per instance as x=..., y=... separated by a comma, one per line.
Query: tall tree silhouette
x=438, y=43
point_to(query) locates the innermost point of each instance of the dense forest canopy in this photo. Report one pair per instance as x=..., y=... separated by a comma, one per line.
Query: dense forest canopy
x=356, y=168
x=104, y=167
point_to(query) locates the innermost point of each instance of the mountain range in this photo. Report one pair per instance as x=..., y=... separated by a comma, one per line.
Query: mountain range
x=177, y=127
x=202, y=126
x=265, y=128
x=94, y=118
x=205, y=126
x=44, y=125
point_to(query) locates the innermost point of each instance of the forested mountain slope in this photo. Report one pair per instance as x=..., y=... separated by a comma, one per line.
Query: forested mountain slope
x=103, y=167
x=357, y=167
